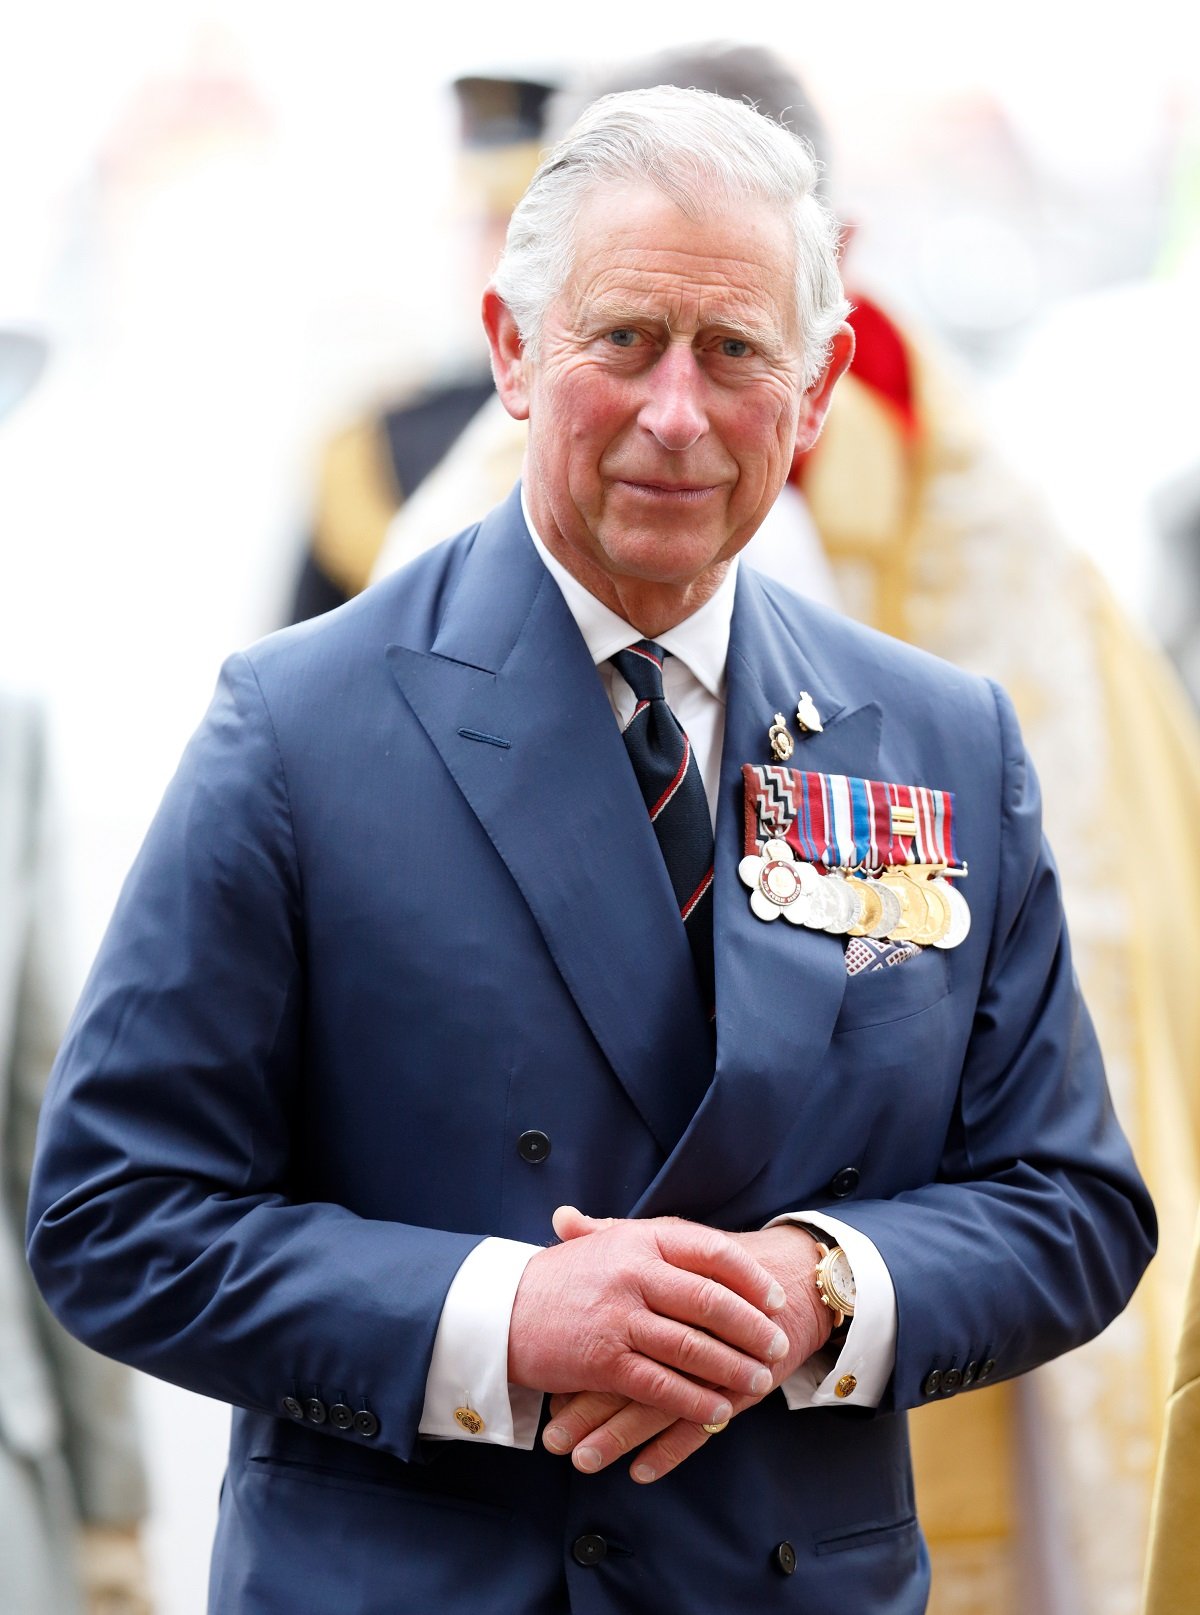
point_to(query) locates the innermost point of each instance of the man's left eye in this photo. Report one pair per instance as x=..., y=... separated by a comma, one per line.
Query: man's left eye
x=734, y=348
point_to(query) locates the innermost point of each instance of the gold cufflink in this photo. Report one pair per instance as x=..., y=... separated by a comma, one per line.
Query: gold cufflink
x=470, y=1421
x=846, y=1386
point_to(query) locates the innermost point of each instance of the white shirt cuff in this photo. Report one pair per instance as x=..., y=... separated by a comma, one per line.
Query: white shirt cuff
x=859, y=1373
x=469, y=1366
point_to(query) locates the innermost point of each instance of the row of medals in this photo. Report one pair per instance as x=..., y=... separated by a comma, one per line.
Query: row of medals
x=898, y=903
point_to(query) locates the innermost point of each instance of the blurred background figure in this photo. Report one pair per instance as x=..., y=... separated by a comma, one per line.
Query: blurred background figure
x=1173, y=1563
x=906, y=517
x=371, y=467
x=72, y=1490
x=1177, y=593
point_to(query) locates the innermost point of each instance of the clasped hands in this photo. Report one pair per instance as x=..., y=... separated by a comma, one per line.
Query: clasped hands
x=644, y=1331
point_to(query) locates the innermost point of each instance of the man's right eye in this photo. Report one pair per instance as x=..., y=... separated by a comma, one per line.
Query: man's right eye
x=622, y=337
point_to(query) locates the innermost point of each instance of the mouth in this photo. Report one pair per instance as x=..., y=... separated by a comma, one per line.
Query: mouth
x=685, y=493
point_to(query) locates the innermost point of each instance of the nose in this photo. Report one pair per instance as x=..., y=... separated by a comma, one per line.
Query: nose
x=673, y=408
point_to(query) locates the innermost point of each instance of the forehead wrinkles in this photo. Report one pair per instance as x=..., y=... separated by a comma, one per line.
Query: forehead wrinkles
x=684, y=289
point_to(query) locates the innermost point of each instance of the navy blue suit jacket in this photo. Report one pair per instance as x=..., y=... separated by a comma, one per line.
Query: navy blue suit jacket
x=402, y=903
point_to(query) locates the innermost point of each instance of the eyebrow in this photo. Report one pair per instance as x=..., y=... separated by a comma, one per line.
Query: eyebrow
x=612, y=315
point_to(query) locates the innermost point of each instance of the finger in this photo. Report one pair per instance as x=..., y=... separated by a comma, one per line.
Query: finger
x=698, y=1355
x=687, y=1297
x=642, y=1380
x=569, y=1222
x=677, y=1443
x=719, y=1256
x=577, y=1416
x=618, y=1436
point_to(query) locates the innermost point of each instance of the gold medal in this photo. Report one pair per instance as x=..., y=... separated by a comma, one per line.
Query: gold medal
x=914, y=910
x=939, y=915
x=872, y=909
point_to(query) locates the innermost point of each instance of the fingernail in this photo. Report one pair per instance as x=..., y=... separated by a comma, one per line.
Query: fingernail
x=587, y=1459
x=556, y=1438
x=722, y=1412
x=762, y=1381
x=644, y=1474
x=775, y=1297
x=778, y=1346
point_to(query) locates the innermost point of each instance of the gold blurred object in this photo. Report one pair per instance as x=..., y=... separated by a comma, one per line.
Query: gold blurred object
x=715, y=1429
x=113, y=1571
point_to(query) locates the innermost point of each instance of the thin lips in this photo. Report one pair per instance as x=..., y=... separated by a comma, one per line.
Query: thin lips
x=670, y=487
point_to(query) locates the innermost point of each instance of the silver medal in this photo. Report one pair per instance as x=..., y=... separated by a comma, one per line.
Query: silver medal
x=960, y=915
x=778, y=884
x=892, y=910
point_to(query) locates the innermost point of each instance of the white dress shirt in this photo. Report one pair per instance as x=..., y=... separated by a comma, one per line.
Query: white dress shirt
x=469, y=1366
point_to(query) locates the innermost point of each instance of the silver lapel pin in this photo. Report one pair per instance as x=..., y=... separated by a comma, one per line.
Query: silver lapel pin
x=807, y=715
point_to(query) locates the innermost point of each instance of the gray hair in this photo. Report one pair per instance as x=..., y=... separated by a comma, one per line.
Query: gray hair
x=696, y=148
x=741, y=72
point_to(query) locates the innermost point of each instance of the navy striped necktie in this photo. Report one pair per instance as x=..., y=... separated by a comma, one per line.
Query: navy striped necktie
x=673, y=792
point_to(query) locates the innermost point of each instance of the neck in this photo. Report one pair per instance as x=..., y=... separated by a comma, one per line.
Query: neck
x=649, y=605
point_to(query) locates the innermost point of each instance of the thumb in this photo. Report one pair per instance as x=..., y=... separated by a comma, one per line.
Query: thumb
x=569, y=1222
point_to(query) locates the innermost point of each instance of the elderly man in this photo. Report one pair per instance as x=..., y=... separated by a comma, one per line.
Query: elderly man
x=426, y=948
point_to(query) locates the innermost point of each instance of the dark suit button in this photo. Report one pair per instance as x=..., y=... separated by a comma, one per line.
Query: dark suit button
x=784, y=1558
x=588, y=1549
x=340, y=1416
x=533, y=1147
x=365, y=1423
x=315, y=1410
x=988, y=1369
x=951, y=1380
x=844, y=1182
x=970, y=1375
x=932, y=1383
x=293, y=1408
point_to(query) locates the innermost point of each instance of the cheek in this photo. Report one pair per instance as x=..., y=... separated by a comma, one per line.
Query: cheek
x=761, y=438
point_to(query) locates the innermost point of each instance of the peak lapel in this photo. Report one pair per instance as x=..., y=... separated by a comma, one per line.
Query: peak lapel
x=511, y=699
x=779, y=986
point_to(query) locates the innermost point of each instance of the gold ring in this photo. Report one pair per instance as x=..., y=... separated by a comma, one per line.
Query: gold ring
x=715, y=1429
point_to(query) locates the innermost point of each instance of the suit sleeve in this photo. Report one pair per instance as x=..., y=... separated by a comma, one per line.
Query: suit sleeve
x=167, y=1227
x=1038, y=1226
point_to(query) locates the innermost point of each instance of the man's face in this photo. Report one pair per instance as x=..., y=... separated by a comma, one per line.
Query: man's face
x=665, y=402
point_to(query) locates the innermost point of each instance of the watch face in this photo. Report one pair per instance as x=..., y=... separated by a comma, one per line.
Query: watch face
x=840, y=1278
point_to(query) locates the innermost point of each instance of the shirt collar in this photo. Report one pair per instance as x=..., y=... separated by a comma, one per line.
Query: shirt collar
x=701, y=641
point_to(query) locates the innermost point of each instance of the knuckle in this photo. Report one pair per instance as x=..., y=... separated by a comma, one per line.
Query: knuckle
x=696, y=1350
x=708, y=1301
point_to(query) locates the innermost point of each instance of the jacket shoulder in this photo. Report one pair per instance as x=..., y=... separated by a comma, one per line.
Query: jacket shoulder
x=406, y=606
x=886, y=668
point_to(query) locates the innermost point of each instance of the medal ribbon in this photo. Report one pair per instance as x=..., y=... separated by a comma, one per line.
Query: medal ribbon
x=841, y=821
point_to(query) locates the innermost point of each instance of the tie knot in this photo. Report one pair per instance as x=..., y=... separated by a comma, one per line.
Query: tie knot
x=641, y=668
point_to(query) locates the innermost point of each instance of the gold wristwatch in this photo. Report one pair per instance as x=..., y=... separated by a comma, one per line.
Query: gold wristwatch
x=835, y=1281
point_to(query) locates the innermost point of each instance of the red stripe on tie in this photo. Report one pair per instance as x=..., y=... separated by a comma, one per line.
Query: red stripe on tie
x=696, y=896
x=637, y=711
x=675, y=783
x=645, y=655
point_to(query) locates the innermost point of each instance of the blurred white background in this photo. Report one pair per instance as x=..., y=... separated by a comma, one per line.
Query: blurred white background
x=237, y=223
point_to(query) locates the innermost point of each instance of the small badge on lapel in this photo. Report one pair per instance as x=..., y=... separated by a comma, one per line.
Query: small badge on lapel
x=807, y=715
x=781, y=740
x=855, y=857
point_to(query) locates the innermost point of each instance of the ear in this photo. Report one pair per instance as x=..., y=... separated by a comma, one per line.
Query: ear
x=508, y=355
x=815, y=403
